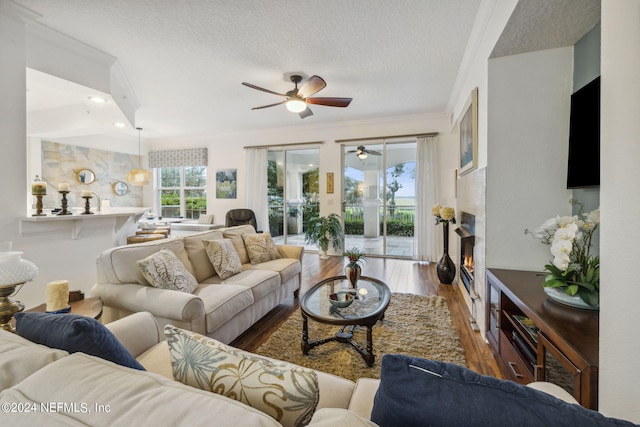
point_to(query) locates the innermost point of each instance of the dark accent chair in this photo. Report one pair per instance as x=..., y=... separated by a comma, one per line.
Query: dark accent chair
x=241, y=217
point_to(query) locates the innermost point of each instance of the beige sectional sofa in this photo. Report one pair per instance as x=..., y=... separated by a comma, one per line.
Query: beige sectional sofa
x=218, y=308
x=87, y=390
x=45, y=386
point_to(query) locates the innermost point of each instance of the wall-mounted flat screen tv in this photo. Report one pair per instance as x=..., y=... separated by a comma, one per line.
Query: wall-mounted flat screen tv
x=584, y=137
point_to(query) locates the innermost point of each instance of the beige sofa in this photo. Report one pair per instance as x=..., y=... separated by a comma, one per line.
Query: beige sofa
x=79, y=389
x=220, y=309
x=91, y=391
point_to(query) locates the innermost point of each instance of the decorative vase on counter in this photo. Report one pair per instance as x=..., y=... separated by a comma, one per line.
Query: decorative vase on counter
x=353, y=272
x=445, y=268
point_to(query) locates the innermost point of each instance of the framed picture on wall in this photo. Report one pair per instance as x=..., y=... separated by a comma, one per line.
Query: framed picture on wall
x=226, y=183
x=329, y=182
x=469, y=135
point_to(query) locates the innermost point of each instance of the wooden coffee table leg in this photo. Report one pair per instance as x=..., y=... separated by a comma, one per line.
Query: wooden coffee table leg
x=305, y=335
x=370, y=358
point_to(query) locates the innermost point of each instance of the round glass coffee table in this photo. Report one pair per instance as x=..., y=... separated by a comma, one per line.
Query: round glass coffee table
x=367, y=305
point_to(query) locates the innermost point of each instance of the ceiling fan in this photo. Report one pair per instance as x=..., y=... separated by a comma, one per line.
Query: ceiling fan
x=297, y=99
x=362, y=152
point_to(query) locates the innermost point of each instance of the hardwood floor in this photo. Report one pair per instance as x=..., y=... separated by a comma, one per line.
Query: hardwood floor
x=403, y=276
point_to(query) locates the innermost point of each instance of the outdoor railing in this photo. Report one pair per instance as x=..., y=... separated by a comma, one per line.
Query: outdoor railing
x=405, y=213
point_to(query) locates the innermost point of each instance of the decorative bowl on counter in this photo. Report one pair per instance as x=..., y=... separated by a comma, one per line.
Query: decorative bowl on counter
x=341, y=299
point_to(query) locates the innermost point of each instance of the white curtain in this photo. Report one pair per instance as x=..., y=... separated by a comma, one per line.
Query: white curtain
x=257, y=185
x=426, y=248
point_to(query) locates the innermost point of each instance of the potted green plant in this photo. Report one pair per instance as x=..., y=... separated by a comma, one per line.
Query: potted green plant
x=323, y=230
x=353, y=269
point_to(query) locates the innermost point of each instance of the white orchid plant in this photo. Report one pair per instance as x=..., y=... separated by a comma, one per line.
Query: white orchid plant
x=573, y=268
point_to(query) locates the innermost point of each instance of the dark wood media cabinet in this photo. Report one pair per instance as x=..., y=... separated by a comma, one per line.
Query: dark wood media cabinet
x=537, y=339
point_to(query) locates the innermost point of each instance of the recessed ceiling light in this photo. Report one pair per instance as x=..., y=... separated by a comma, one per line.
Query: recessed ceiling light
x=119, y=124
x=98, y=99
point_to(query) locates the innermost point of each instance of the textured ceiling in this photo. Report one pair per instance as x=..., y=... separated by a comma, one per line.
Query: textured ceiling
x=546, y=24
x=186, y=59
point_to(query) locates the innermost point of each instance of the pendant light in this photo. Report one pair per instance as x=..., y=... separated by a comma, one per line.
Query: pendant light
x=139, y=176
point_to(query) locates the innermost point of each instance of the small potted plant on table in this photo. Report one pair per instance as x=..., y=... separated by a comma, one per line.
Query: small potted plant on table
x=353, y=270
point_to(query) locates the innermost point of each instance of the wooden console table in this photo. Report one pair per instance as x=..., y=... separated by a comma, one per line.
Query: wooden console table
x=559, y=346
x=89, y=307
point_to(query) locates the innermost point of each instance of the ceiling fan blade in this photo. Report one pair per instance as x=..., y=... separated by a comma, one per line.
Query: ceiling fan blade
x=267, y=106
x=262, y=89
x=305, y=113
x=313, y=85
x=330, y=102
x=375, y=153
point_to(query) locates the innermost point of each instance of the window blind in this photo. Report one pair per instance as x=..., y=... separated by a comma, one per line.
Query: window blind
x=178, y=158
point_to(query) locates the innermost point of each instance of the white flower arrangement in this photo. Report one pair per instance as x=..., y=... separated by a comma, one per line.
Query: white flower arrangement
x=573, y=268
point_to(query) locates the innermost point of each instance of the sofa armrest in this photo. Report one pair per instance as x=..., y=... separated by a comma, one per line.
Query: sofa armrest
x=137, y=332
x=362, y=398
x=553, y=390
x=291, y=251
x=159, y=302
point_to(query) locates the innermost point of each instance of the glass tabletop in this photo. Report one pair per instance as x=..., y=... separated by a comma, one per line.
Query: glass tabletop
x=369, y=300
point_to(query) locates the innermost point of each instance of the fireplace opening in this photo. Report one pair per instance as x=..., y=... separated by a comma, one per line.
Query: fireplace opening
x=466, y=231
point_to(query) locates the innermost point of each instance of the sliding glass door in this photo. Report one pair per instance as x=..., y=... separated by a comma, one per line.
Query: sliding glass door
x=379, y=198
x=293, y=188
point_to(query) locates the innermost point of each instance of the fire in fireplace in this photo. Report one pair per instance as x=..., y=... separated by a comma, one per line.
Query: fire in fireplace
x=466, y=231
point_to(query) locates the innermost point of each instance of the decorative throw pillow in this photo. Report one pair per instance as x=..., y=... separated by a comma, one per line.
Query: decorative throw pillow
x=417, y=392
x=223, y=256
x=260, y=247
x=74, y=333
x=286, y=392
x=205, y=219
x=164, y=270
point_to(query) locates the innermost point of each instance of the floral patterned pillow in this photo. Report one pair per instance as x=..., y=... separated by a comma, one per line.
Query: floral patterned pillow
x=260, y=247
x=223, y=256
x=164, y=270
x=286, y=392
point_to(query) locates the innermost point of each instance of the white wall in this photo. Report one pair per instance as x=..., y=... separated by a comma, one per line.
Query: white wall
x=227, y=152
x=473, y=73
x=619, y=380
x=57, y=255
x=528, y=132
x=619, y=391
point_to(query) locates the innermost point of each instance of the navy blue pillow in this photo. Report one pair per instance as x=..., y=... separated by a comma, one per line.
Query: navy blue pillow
x=74, y=333
x=419, y=392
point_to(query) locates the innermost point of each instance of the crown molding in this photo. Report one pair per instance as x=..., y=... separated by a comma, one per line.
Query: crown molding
x=60, y=40
x=20, y=13
x=478, y=31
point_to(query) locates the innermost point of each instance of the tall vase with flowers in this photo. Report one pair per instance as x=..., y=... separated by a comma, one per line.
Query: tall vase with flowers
x=445, y=268
x=353, y=269
x=574, y=272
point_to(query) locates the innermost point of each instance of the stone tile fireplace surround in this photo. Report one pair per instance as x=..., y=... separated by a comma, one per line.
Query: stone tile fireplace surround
x=471, y=190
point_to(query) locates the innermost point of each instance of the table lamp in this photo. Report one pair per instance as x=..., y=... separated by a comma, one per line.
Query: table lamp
x=14, y=273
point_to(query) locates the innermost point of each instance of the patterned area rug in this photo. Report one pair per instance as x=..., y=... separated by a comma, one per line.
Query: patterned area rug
x=414, y=325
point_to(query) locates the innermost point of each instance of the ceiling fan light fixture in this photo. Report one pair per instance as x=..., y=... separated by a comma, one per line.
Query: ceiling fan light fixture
x=296, y=105
x=362, y=155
